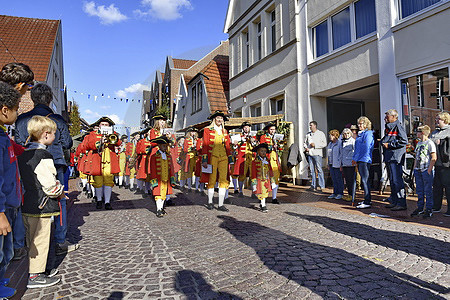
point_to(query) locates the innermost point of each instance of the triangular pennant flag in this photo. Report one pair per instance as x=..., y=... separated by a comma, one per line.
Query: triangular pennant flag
x=95, y=98
x=89, y=96
x=103, y=95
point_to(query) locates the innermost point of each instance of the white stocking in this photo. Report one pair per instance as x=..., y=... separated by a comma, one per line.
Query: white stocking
x=84, y=182
x=120, y=180
x=210, y=195
x=197, y=182
x=263, y=202
x=274, y=192
x=235, y=183
x=182, y=183
x=189, y=182
x=222, y=192
x=131, y=182
x=140, y=184
x=159, y=204
x=107, y=192
x=241, y=185
x=99, y=193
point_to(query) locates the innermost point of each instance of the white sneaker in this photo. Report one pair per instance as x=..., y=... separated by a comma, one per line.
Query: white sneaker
x=338, y=197
x=332, y=196
x=363, y=206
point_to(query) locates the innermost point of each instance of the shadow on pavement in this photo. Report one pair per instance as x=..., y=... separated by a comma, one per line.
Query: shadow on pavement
x=410, y=243
x=115, y=296
x=326, y=271
x=194, y=286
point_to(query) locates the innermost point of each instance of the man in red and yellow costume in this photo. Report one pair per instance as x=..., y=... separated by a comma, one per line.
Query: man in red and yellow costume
x=143, y=148
x=262, y=175
x=244, y=157
x=216, y=155
x=105, y=162
x=130, y=169
x=122, y=160
x=190, y=157
x=199, y=185
x=162, y=177
x=268, y=138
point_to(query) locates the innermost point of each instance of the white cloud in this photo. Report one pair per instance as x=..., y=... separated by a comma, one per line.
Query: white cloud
x=163, y=9
x=116, y=119
x=108, y=15
x=134, y=88
x=105, y=107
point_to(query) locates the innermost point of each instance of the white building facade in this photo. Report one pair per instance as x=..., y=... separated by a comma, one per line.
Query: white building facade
x=335, y=60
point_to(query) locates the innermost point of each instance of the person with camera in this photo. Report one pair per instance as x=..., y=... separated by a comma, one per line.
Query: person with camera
x=105, y=162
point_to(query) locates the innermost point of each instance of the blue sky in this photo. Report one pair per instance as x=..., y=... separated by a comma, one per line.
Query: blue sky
x=113, y=47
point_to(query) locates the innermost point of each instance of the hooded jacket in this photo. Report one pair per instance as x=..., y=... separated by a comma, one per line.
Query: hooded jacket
x=395, y=136
x=443, y=146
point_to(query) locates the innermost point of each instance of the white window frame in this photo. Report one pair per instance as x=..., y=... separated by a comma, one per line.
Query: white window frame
x=273, y=30
x=398, y=6
x=259, y=41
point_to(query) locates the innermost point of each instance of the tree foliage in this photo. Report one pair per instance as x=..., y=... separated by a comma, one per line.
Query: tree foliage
x=75, y=120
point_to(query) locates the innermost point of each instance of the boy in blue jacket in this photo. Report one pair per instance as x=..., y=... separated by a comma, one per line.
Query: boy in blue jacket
x=10, y=188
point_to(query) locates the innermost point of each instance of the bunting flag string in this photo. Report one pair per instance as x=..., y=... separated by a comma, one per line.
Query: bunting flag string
x=103, y=95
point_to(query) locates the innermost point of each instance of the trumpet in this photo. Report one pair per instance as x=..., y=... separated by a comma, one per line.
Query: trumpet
x=112, y=139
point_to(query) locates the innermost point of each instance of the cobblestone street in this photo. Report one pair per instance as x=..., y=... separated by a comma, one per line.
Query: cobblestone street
x=295, y=251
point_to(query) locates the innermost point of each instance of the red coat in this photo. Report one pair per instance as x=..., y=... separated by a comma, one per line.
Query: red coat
x=129, y=150
x=257, y=176
x=241, y=155
x=142, y=148
x=198, y=163
x=209, y=134
x=155, y=175
x=82, y=156
x=93, y=140
x=266, y=138
x=188, y=149
x=175, y=153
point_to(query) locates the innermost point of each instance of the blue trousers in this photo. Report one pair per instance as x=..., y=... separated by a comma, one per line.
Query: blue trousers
x=315, y=162
x=61, y=220
x=398, y=195
x=364, y=172
x=424, y=188
x=6, y=242
x=19, y=231
x=338, y=182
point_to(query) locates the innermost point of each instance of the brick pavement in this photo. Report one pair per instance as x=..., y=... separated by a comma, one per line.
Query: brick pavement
x=311, y=249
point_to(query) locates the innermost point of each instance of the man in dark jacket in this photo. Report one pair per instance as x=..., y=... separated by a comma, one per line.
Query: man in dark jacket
x=394, y=150
x=42, y=96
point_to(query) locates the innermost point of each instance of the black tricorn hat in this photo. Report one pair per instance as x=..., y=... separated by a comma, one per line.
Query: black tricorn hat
x=192, y=129
x=245, y=123
x=103, y=119
x=145, y=130
x=134, y=133
x=123, y=136
x=262, y=145
x=159, y=117
x=218, y=113
x=270, y=125
x=160, y=140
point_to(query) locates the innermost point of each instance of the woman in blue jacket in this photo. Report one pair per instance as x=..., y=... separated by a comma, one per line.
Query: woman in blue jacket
x=362, y=157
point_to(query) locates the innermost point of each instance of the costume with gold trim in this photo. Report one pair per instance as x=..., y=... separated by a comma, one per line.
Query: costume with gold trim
x=262, y=176
x=162, y=176
x=143, y=147
x=274, y=159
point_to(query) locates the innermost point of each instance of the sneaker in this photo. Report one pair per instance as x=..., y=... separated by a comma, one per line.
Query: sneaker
x=263, y=208
x=275, y=201
x=332, y=196
x=398, y=208
x=210, y=206
x=222, y=208
x=417, y=212
x=338, y=197
x=159, y=213
x=427, y=213
x=4, y=281
x=20, y=253
x=390, y=205
x=362, y=206
x=99, y=205
x=66, y=247
x=41, y=280
x=6, y=292
x=51, y=273
x=108, y=206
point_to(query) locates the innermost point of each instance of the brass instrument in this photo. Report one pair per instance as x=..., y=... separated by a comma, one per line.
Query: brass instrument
x=112, y=138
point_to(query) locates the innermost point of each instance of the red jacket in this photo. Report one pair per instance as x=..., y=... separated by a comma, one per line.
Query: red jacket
x=93, y=141
x=142, y=148
x=155, y=175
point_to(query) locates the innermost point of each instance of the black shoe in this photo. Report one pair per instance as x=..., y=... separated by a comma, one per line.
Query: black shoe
x=236, y=192
x=132, y=189
x=85, y=188
x=222, y=208
x=275, y=201
x=99, y=205
x=138, y=192
x=163, y=212
x=65, y=247
x=120, y=186
x=263, y=208
x=20, y=253
x=398, y=208
x=417, y=212
x=427, y=213
x=89, y=195
x=210, y=206
x=108, y=206
x=390, y=205
x=159, y=213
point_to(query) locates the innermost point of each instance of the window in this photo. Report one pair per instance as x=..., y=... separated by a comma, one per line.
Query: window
x=341, y=28
x=273, y=29
x=409, y=7
x=245, y=49
x=259, y=40
x=321, y=38
x=194, y=99
x=277, y=106
x=350, y=24
x=426, y=94
x=365, y=17
x=200, y=96
x=255, y=111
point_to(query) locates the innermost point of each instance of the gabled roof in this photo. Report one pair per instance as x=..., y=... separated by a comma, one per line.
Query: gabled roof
x=30, y=41
x=216, y=83
x=183, y=63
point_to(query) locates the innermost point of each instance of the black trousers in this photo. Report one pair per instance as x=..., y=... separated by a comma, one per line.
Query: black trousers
x=441, y=182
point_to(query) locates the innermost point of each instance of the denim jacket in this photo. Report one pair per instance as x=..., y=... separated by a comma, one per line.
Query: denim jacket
x=334, y=154
x=347, y=150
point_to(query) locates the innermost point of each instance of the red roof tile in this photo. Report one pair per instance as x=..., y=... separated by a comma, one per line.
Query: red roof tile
x=183, y=63
x=217, y=87
x=31, y=41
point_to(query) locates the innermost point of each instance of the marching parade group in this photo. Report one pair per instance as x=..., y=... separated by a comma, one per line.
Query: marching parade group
x=154, y=161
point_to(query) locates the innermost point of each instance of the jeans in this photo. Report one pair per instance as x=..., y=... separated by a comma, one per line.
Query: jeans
x=398, y=196
x=424, y=188
x=6, y=242
x=363, y=169
x=61, y=220
x=315, y=162
x=338, y=183
x=66, y=180
x=349, y=175
x=71, y=170
x=441, y=182
x=18, y=230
